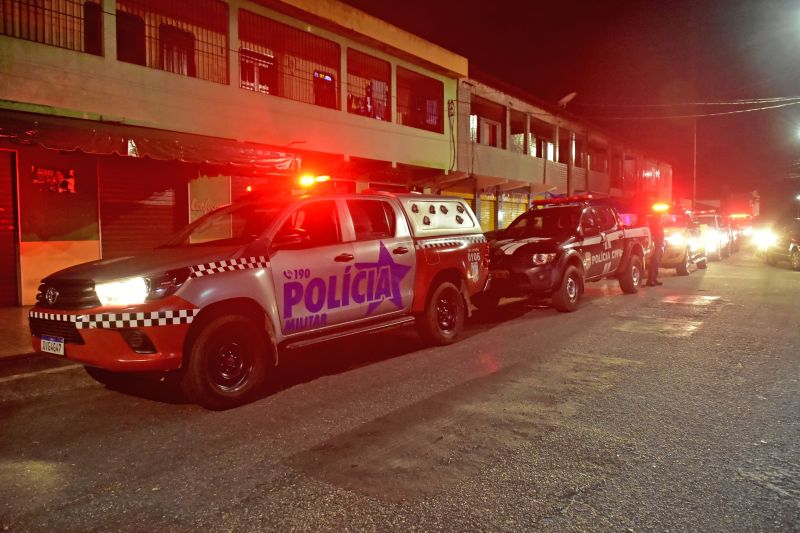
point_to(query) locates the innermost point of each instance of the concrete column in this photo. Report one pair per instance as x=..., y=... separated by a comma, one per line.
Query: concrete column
x=527, y=141
x=110, y=29
x=508, y=128
x=343, y=78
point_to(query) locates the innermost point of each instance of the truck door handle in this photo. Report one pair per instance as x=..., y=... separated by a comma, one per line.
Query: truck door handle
x=344, y=258
x=400, y=250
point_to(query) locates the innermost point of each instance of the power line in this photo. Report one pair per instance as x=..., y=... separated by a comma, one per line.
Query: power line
x=696, y=115
x=696, y=104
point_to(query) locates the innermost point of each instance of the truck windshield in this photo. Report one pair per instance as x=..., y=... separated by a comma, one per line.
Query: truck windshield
x=675, y=220
x=544, y=223
x=229, y=225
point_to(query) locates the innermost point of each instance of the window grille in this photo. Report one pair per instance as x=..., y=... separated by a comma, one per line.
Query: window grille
x=369, y=85
x=284, y=61
x=188, y=37
x=420, y=101
x=71, y=24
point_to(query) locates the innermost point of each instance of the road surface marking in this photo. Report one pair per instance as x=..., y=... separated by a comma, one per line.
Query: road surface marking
x=38, y=372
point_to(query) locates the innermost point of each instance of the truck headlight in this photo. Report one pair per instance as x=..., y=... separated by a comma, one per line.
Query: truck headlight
x=765, y=238
x=132, y=291
x=676, y=239
x=542, y=259
x=128, y=291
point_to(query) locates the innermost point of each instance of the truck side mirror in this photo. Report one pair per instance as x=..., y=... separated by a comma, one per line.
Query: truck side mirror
x=290, y=238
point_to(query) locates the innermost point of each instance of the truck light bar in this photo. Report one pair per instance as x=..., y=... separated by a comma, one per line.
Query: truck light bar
x=564, y=200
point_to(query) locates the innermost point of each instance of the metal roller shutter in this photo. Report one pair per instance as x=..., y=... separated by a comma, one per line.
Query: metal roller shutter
x=8, y=232
x=142, y=203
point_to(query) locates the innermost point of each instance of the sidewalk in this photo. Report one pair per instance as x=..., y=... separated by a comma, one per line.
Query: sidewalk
x=15, y=338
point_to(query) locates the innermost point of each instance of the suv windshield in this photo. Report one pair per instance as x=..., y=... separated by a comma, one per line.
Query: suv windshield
x=235, y=224
x=548, y=222
x=675, y=220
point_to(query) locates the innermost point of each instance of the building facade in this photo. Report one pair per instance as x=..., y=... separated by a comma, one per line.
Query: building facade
x=122, y=120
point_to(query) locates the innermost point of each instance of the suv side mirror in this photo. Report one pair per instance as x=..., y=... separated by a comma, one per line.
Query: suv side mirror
x=591, y=231
x=290, y=238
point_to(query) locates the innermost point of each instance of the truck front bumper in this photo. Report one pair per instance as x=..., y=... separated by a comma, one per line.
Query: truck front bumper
x=141, y=341
x=524, y=282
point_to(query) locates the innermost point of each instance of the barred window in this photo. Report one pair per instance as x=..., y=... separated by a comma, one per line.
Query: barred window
x=187, y=37
x=369, y=85
x=71, y=24
x=420, y=101
x=284, y=61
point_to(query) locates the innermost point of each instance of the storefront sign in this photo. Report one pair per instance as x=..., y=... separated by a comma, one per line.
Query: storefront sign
x=207, y=193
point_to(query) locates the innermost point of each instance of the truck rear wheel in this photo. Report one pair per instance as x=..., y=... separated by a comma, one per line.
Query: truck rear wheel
x=631, y=278
x=227, y=362
x=683, y=268
x=794, y=259
x=443, y=319
x=568, y=293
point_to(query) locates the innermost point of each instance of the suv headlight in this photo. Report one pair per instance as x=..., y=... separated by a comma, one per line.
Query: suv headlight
x=542, y=259
x=132, y=291
x=676, y=239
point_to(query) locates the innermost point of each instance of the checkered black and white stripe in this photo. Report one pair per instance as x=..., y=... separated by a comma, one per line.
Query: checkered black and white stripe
x=55, y=316
x=218, y=267
x=452, y=242
x=123, y=320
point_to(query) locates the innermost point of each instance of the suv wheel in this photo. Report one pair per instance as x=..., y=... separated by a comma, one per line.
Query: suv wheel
x=568, y=293
x=703, y=263
x=794, y=259
x=443, y=319
x=227, y=362
x=631, y=278
x=683, y=268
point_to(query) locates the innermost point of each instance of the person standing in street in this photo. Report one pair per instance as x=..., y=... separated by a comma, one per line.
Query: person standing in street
x=657, y=234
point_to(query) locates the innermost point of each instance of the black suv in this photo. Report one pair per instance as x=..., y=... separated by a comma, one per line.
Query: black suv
x=786, y=246
x=553, y=249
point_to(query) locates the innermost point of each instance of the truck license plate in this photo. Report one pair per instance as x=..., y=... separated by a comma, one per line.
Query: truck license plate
x=54, y=345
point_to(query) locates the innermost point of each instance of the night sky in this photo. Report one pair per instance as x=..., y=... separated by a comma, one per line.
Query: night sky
x=628, y=53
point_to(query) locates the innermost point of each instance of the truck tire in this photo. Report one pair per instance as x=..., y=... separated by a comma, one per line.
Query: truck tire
x=227, y=362
x=631, y=278
x=443, y=319
x=683, y=268
x=568, y=293
x=702, y=264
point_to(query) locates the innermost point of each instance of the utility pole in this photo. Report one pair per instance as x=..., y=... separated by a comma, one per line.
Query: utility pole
x=694, y=169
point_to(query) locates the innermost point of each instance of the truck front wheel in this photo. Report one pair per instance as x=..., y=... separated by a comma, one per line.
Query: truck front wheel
x=443, y=319
x=631, y=278
x=227, y=362
x=568, y=293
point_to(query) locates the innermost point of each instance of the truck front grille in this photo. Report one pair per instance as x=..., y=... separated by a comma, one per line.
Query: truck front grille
x=71, y=294
x=55, y=328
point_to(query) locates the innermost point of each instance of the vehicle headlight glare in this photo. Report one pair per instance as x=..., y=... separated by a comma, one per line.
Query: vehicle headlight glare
x=128, y=291
x=676, y=239
x=765, y=238
x=542, y=259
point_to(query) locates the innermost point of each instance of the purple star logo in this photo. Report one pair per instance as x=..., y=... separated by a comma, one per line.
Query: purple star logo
x=397, y=273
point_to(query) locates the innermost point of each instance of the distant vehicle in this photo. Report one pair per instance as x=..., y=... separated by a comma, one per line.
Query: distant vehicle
x=716, y=234
x=214, y=306
x=683, y=243
x=784, y=245
x=553, y=249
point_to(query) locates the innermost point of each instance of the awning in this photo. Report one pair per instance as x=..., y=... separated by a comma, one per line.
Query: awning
x=94, y=137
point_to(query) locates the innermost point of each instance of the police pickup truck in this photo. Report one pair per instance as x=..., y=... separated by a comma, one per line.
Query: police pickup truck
x=216, y=305
x=553, y=249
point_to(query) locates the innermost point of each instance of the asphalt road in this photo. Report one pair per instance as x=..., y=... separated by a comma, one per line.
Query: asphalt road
x=677, y=408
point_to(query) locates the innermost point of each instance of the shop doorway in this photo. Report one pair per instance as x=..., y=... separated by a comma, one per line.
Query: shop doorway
x=8, y=230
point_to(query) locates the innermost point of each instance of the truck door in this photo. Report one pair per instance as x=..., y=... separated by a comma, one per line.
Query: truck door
x=382, y=277
x=613, y=242
x=309, y=260
x=593, y=246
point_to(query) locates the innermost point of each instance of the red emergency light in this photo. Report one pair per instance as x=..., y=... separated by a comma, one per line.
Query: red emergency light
x=564, y=200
